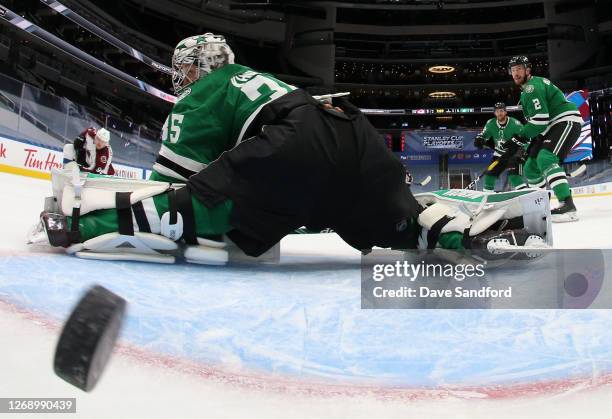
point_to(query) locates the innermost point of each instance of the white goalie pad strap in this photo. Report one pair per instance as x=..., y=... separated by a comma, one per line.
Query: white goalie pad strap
x=93, y=199
x=141, y=247
x=212, y=243
x=206, y=255
x=138, y=243
x=63, y=182
x=68, y=152
x=130, y=257
x=64, y=177
x=171, y=231
x=486, y=219
x=211, y=252
x=434, y=213
x=152, y=216
x=117, y=184
x=228, y=252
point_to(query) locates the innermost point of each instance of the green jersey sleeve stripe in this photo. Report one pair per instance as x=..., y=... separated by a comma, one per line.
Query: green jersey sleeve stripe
x=566, y=114
x=187, y=163
x=162, y=170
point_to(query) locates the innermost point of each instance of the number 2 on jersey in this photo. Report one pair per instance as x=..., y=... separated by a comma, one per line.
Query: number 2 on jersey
x=537, y=104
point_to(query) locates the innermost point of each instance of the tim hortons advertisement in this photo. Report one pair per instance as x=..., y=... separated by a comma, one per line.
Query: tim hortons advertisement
x=35, y=161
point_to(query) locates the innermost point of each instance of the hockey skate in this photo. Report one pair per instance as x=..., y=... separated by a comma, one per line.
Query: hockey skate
x=518, y=244
x=565, y=212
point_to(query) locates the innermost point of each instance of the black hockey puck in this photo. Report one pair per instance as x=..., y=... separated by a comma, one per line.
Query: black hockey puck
x=88, y=338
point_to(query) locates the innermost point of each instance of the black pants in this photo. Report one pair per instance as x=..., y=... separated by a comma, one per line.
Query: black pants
x=311, y=167
x=559, y=140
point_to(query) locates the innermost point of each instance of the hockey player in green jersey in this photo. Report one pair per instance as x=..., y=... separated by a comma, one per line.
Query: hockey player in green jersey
x=251, y=158
x=496, y=132
x=553, y=126
x=214, y=114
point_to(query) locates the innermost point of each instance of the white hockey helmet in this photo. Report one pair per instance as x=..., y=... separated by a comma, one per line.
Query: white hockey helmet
x=103, y=135
x=204, y=53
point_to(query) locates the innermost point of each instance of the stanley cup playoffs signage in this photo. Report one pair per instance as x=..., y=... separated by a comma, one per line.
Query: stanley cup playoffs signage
x=443, y=141
x=424, y=146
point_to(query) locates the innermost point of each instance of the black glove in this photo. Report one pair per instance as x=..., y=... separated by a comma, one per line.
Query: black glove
x=79, y=151
x=479, y=142
x=409, y=179
x=515, y=144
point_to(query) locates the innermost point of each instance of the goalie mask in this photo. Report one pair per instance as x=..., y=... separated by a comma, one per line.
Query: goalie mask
x=197, y=56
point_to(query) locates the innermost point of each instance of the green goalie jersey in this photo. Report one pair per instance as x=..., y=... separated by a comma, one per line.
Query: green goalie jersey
x=501, y=133
x=211, y=116
x=544, y=105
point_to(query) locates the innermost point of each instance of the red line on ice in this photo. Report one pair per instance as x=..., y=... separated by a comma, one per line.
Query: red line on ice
x=309, y=387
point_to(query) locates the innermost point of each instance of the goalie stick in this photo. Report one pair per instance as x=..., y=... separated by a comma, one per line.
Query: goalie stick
x=472, y=184
x=573, y=174
x=424, y=182
x=578, y=172
x=328, y=97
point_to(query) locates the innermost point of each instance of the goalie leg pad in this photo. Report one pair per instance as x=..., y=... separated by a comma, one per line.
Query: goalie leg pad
x=142, y=247
x=480, y=212
x=69, y=154
x=133, y=200
x=98, y=192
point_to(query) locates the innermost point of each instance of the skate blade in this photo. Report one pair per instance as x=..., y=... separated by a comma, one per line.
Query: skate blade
x=37, y=235
x=564, y=218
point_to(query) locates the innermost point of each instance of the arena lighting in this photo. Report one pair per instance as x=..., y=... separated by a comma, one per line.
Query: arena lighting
x=441, y=69
x=442, y=95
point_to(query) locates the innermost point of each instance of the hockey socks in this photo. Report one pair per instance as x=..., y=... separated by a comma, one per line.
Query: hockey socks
x=545, y=168
x=517, y=182
x=451, y=241
x=489, y=183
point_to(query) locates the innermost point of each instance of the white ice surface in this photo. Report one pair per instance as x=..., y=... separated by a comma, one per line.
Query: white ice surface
x=150, y=378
